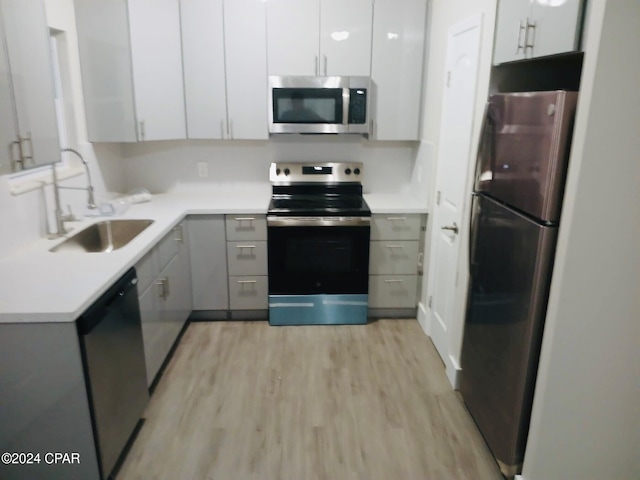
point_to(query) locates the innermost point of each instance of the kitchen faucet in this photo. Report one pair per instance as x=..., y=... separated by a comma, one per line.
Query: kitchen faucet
x=62, y=217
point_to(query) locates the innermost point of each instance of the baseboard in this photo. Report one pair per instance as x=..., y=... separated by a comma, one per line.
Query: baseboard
x=423, y=320
x=391, y=313
x=453, y=372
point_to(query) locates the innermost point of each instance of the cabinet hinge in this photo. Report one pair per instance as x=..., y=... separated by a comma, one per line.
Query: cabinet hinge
x=438, y=195
x=429, y=301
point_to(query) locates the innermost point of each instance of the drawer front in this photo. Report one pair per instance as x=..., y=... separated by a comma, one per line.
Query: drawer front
x=247, y=258
x=246, y=227
x=248, y=293
x=393, y=291
x=170, y=245
x=393, y=257
x=395, y=227
x=147, y=269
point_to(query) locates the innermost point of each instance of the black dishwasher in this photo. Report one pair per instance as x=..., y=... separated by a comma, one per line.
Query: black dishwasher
x=113, y=356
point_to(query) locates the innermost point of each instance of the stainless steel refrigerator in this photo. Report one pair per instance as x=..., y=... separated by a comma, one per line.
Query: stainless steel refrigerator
x=522, y=163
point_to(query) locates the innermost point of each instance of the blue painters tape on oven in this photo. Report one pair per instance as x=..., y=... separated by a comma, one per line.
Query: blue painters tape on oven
x=318, y=309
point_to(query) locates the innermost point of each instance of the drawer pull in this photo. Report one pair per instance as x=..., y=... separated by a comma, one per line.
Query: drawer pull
x=396, y=219
x=394, y=246
x=244, y=219
x=394, y=280
x=246, y=246
x=242, y=282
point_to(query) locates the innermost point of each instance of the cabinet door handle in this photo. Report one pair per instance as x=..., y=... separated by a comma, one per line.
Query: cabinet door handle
x=325, y=65
x=23, y=150
x=394, y=246
x=394, y=280
x=245, y=246
x=529, y=42
x=396, y=219
x=519, y=44
x=180, y=237
x=244, y=219
x=163, y=283
x=17, y=161
x=242, y=282
x=142, y=132
x=316, y=64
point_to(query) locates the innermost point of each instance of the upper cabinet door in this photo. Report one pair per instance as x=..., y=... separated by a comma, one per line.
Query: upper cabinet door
x=345, y=37
x=246, y=68
x=530, y=29
x=396, y=68
x=293, y=37
x=157, y=69
x=29, y=64
x=557, y=27
x=510, y=31
x=203, y=63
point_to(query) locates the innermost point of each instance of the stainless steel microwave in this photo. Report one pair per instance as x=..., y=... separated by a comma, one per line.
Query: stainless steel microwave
x=319, y=105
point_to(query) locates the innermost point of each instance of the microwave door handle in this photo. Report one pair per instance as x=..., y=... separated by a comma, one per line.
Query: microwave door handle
x=345, y=110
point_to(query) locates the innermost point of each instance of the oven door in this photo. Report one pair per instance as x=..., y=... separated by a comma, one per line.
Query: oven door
x=309, y=256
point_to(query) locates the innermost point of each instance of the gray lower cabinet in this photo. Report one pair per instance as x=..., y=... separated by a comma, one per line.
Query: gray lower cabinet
x=208, y=248
x=164, y=276
x=394, y=264
x=44, y=405
x=228, y=265
x=247, y=262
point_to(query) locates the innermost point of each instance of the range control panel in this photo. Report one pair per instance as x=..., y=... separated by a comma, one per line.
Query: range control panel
x=331, y=172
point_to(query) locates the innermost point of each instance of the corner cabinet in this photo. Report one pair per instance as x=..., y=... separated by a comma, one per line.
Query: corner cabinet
x=164, y=294
x=396, y=68
x=319, y=37
x=28, y=125
x=395, y=264
x=526, y=29
x=225, y=68
x=131, y=61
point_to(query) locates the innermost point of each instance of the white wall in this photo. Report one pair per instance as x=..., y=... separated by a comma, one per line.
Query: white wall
x=164, y=166
x=444, y=14
x=586, y=414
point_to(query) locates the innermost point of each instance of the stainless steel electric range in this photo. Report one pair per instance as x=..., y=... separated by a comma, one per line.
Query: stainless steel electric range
x=318, y=228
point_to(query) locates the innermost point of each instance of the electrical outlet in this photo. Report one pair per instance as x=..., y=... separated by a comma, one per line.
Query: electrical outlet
x=203, y=169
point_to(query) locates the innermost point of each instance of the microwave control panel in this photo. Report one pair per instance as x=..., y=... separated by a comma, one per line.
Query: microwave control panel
x=357, y=105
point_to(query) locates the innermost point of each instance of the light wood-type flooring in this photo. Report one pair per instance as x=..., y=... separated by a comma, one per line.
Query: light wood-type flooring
x=247, y=401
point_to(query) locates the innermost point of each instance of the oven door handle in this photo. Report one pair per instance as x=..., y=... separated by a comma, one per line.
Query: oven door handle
x=274, y=221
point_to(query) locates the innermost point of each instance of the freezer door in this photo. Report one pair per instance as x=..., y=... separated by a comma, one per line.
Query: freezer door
x=524, y=151
x=510, y=265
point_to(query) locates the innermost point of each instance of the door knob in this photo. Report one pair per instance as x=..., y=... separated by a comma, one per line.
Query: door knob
x=453, y=228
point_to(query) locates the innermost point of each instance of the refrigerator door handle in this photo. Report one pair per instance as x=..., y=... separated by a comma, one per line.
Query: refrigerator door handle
x=473, y=229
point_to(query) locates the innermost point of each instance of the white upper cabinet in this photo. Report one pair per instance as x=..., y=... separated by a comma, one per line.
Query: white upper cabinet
x=157, y=69
x=225, y=68
x=529, y=29
x=27, y=113
x=246, y=66
x=345, y=37
x=293, y=37
x=131, y=59
x=319, y=37
x=396, y=68
x=204, y=72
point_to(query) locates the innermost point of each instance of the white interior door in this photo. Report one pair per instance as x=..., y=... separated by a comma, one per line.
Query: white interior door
x=453, y=160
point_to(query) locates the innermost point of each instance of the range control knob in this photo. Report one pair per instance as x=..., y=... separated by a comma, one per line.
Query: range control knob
x=348, y=171
x=356, y=171
x=278, y=171
x=287, y=171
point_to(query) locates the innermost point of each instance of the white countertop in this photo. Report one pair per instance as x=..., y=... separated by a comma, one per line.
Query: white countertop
x=38, y=286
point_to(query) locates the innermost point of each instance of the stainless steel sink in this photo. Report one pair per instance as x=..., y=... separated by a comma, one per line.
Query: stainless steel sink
x=103, y=236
